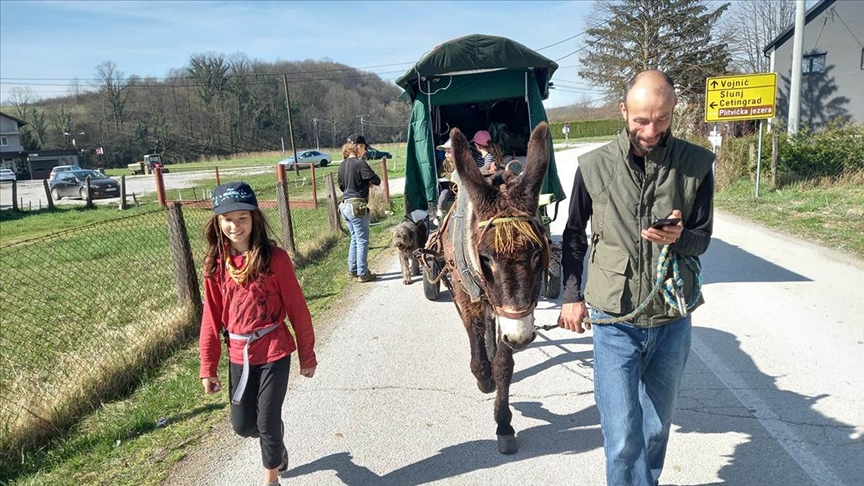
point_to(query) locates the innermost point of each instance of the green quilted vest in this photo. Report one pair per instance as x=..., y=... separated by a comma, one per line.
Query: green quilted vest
x=625, y=200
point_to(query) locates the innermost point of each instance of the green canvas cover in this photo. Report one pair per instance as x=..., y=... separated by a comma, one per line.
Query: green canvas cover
x=507, y=70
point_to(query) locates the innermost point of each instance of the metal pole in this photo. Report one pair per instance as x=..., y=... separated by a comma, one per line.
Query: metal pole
x=795, y=82
x=759, y=160
x=291, y=125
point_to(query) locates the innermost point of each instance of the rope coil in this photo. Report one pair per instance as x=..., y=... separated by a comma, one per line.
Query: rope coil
x=671, y=289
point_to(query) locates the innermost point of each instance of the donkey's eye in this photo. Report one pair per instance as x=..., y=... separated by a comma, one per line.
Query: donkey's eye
x=535, y=257
x=487, y=265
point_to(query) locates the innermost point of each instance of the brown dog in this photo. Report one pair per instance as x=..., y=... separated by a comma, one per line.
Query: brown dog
x=407, y=237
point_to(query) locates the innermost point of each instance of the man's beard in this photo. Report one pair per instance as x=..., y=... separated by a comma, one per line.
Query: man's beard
x=642, y=151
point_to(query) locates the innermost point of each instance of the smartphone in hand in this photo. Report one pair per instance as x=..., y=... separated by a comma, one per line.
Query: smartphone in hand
x=660, y=223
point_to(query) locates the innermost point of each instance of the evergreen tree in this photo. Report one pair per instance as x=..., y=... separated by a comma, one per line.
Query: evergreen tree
x=629, y=36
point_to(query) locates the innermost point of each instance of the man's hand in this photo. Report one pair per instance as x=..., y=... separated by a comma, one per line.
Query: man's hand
x=667, y=234
x=308, y=372
x=572, y=315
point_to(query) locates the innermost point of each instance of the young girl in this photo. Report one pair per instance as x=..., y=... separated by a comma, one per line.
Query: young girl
x=490, y=154
x=250, y=287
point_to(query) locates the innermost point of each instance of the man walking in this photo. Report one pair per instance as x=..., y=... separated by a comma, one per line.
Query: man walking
x=641, y=331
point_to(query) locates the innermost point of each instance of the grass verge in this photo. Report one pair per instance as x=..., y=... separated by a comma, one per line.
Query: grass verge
x=829, y=215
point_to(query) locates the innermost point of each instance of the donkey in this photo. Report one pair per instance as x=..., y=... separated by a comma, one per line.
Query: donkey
x=504, y=250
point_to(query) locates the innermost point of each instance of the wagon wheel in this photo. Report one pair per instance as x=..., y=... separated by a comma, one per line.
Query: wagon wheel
x=552, y=282
x=552, y=275
x=430, y=274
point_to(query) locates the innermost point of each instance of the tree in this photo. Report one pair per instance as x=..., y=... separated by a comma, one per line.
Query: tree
x=113, y=88
x=675, y=36
x=749, y=26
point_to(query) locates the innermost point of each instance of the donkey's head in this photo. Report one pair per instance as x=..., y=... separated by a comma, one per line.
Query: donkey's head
x=510, y=247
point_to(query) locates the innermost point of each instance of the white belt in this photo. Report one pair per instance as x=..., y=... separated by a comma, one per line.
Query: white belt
x=244, y=376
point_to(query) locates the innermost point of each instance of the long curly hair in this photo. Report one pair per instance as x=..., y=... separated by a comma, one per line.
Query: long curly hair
x=260, y=247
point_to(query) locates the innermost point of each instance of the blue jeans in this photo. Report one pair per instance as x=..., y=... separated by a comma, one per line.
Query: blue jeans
x=637, y=373
x=358, y=249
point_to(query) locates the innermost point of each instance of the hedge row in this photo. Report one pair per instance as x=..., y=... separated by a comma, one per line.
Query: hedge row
x=588, y=128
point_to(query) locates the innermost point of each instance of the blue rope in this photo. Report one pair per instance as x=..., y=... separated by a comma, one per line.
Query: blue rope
x=667, y=288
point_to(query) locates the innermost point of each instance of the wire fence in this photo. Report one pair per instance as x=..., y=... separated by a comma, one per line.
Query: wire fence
x=84, y=311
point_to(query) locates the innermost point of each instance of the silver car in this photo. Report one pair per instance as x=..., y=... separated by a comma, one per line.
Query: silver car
x=6, y=175
x=314, y=157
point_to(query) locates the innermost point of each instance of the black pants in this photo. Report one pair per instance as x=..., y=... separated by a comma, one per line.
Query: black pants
x=259, y=413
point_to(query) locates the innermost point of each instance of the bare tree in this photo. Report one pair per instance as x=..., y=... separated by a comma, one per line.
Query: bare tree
x=113, y=88
x=76, y=89
x=21, y=99
x=749, y=26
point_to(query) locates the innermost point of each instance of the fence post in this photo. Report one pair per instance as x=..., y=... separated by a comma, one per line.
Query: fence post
x=160, y=186
x=314, y=187
x=122, y=192
x=385, y=183
x=48, y=194
x=217, y=177
x=89, y=195
x=775, y=157
x=332, y=203
x=285, y=217
x=184, y=264
x=15, y=195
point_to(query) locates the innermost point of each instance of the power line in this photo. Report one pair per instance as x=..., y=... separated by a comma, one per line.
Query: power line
x=562, y=41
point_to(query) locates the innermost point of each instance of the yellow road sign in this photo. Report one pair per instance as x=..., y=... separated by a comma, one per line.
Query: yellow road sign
x=741, y=97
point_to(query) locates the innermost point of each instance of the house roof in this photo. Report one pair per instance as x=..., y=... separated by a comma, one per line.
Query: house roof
x=19, y=121
x=787, y=34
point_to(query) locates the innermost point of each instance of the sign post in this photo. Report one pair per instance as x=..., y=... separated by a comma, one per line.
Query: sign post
x=742, y=97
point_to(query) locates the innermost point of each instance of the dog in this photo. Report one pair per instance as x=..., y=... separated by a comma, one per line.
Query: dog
x=407, y=237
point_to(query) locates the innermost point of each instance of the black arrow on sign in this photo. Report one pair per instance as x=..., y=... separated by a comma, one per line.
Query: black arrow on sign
x=714, y=83
x=713, y=105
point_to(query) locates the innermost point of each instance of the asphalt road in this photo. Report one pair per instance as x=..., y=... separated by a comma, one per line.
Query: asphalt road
x=773, y=392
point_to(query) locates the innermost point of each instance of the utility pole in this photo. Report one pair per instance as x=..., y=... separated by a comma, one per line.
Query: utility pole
x=315, y=128
x=362, y=128
x=795, y=82
x=291, y=125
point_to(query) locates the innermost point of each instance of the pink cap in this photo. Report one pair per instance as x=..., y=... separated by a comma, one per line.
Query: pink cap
x=482, y=138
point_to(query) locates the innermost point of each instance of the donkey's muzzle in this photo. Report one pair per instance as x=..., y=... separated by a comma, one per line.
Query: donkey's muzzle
x=519, y=332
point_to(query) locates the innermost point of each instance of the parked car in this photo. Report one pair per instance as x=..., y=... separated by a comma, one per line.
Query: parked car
x=73, y=183
x=319, y=159
x=374, y=154
x=63, y=168
x=6, y=175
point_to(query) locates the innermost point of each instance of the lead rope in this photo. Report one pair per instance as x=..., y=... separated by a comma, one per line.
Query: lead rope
x=671, y=289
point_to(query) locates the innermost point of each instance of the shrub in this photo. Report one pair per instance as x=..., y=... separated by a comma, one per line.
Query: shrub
x=835, y=151
x=588, y=128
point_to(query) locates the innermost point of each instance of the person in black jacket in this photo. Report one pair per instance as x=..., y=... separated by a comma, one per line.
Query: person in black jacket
x=355, y=177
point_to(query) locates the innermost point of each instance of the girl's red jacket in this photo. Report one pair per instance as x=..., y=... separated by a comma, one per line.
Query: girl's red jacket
x=243, y=309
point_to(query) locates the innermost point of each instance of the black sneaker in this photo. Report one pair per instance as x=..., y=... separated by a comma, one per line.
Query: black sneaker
x=367, y=277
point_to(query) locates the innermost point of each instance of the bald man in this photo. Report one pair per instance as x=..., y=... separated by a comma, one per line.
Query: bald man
x=641, y=342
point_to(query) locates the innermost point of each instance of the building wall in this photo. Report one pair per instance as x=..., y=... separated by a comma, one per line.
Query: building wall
x=9, y=130
x=838, y=91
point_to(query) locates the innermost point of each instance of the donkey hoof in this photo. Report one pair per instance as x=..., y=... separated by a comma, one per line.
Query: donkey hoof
x=507, y=444
x=406, y=282
x=486, y=386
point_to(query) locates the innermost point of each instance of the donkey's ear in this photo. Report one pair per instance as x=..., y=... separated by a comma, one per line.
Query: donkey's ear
x=470, y=178
x=528, y=187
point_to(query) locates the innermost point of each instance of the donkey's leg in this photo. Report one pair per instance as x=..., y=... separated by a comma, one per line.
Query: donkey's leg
x=480, y=365
x=502, y=369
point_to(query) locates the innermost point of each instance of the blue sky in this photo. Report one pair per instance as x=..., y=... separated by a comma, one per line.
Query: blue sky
x=49, y=43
